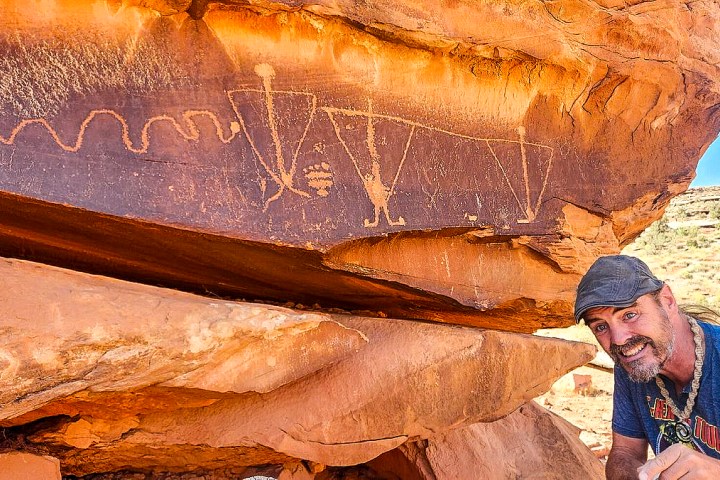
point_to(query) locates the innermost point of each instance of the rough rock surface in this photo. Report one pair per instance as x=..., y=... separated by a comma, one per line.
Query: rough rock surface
x=529, y=443
x=65, y=333
x=323, y=144
x=26, y=466
x=144, y=377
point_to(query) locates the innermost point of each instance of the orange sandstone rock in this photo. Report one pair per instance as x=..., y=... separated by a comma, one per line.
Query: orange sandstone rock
x=130, y=378
x=431, y=164
x=529, y=443
x=65, y=333
x=27, y=466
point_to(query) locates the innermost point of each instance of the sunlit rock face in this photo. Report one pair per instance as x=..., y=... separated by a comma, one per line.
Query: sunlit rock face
x=107, y=375
x=456, y=161
x=18, y=465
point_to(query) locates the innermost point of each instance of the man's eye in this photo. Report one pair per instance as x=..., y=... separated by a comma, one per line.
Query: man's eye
x=630, y=315
x=600, y=328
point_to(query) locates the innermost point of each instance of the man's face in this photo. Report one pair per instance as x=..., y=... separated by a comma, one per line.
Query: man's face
x=638, y=337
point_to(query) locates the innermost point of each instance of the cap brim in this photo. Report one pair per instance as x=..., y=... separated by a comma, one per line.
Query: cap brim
x=580, y=316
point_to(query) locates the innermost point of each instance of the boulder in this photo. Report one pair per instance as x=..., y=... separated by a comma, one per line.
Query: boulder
x=65, y=333
x=531, y=442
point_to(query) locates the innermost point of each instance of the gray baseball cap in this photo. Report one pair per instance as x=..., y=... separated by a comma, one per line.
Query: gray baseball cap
x=614, y=281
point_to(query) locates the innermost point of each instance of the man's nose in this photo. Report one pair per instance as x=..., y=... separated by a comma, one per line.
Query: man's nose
x=619, y=334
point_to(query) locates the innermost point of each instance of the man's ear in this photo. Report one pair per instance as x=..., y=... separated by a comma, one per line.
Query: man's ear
x=667, y=299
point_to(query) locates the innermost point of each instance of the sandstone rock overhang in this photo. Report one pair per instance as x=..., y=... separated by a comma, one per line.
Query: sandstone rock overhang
x=467, y=160
x=105, y=375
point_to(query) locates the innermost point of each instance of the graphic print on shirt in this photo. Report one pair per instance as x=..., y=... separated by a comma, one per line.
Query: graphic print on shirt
x=707, y=433
x=672, y=431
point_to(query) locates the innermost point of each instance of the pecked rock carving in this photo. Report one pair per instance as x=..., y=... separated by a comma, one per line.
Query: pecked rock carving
x=284, y=175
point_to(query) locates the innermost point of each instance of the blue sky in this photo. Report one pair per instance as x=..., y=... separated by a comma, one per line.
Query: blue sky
x=708, y=169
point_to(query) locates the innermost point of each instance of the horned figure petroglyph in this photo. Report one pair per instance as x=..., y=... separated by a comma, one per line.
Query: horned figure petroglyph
x=279, y=159
x=377, y=191
x=529, y=209
x=282, y=174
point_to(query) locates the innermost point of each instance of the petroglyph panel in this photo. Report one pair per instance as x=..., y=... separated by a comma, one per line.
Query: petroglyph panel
x=253, y=150
x=269, y=132
x=275, y=124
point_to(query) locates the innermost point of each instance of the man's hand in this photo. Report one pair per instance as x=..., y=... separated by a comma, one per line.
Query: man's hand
x=679, y=461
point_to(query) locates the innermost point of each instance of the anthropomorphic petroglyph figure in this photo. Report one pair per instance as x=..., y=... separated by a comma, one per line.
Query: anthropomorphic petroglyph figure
x=529, y=212
x=281, y=170
x=379, y=194
x=377, y=191
x=524, y=202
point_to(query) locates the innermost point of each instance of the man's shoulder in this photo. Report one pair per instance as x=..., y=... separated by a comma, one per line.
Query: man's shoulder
x=712, y=334
x=711, y=328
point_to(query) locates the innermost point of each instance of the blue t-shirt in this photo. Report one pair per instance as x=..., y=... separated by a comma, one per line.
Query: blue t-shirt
x=639, y=410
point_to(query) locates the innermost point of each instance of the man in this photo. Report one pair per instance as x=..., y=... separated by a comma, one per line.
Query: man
x=667, y=373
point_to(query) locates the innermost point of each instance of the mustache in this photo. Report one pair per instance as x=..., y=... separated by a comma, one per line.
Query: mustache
x=630, y=344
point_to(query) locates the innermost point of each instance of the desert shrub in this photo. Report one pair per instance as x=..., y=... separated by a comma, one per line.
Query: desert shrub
x=661, y=226
x=658, y=236
x=687, y=231
x=715, y=211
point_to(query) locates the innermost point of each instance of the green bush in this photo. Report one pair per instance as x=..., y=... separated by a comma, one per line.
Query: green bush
x=714, y=212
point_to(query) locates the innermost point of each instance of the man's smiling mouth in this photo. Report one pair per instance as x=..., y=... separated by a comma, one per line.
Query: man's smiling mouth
x=634, y=347
x=632, y=351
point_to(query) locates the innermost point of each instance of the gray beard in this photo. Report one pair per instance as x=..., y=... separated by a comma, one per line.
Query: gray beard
x=640, y=372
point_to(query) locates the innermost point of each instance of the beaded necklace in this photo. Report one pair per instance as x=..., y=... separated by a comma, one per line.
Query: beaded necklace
x=681, y=427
